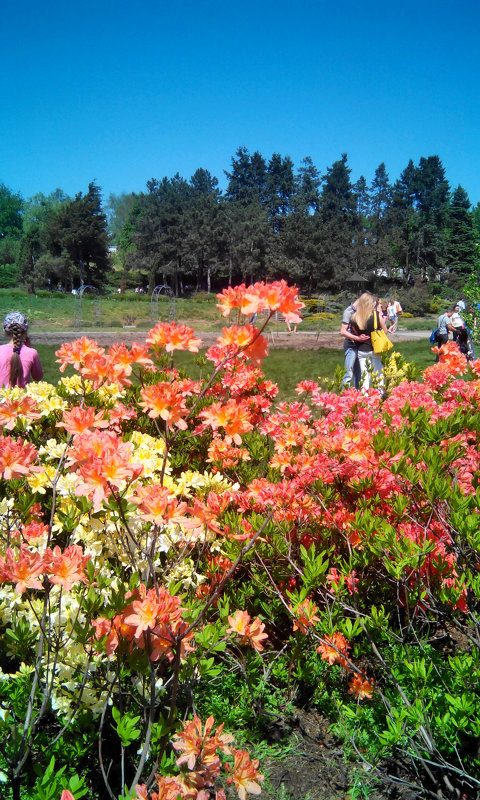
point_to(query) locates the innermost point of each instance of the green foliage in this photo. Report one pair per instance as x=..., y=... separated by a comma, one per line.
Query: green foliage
x=126, y=727
x=52, y=781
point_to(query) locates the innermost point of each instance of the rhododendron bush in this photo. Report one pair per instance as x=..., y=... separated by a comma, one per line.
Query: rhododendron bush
x=159, y=533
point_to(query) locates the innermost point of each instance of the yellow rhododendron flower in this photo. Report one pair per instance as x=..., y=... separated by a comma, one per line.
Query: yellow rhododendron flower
x=52, y=450
x=109, y=392
x=149, y=452
x=46, y=396
x=74, y=384
x=39, y=481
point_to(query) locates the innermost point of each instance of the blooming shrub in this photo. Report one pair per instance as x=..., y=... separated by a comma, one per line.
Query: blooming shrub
x=156, y=530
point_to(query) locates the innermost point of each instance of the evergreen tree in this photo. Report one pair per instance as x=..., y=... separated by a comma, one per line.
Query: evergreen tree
x=338, y=197
x=307, y=181
x=362, y=240
x=248, y=178
x=11, y=212
x=301, y=243
x=280, y=187
x=203, y=227
x=248, y=242
x=155, y=247
x=379, y=248
x=340, y=229
x=380, y=193
x=403, y=222
x=461, y=249
x=363, y=199
x=77, y=232
x=431, y=197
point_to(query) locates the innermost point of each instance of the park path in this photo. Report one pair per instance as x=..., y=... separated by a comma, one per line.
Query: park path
x=296, y=341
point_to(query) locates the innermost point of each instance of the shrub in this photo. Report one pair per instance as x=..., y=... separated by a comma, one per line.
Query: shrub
x=416, y=299
x=8, y=276
x=157, y=533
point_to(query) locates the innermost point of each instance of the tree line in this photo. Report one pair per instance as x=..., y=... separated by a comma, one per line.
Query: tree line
x=272, y=221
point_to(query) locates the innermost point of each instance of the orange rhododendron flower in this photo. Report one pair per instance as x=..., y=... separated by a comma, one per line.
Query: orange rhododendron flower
x=335, y=649
x=165, y=400
x=154, y=620
x=78, y=353
x=102, y=460
x=245, y=774
x=11, y=410
x=361, y=687
x=245, y=338
x=275, y=296
x=23, y=572
x=34, y=530
x=205, y=515
x=16, y=458
x=121, y=358
x=306, y=387
x=200, y=744
x=68, y=567
x=173, y=337
x=158, y=505
x=231, y=298
x=227, y=455
x=79, y=420
x=450, y=355
x=305, y=616
x=232, y=416
x=251, y=633
x=120, y=414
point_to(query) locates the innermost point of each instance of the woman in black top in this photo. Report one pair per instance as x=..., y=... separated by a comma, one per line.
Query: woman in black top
x=363, y=322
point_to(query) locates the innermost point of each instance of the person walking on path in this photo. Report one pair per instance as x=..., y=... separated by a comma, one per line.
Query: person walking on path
x=351, y=343
x=19, y=363
x=393, y=310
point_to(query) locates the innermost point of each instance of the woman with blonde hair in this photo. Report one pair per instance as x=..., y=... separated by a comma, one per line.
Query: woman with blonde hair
x=19, y=363
x=363, y=322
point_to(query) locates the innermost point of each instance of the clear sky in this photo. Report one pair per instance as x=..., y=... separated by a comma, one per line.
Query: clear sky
x=120, y=92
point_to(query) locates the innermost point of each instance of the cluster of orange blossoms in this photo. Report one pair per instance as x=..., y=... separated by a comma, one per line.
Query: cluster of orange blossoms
x=152, y=621
x=251, y=632
x=200, y=747
x=262, y=297
x=25, y=568
x=17, y=458
x=165, y=400
x=102, y=462
x=13, y=408
x=173, y=337
x=332, y=649
x=98, y=366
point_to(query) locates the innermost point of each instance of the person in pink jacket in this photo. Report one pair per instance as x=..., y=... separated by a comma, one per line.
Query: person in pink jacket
x=19, y=363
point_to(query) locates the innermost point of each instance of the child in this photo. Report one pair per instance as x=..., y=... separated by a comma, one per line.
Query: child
x=19, y=363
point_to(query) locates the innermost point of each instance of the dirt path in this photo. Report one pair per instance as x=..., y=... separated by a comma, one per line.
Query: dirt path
x=296, y=341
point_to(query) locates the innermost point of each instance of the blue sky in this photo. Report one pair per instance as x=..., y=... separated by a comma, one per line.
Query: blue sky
x=120, y=92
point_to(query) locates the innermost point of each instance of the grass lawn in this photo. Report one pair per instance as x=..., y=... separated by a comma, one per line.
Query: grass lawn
x=284, y=367
x=57, y=311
